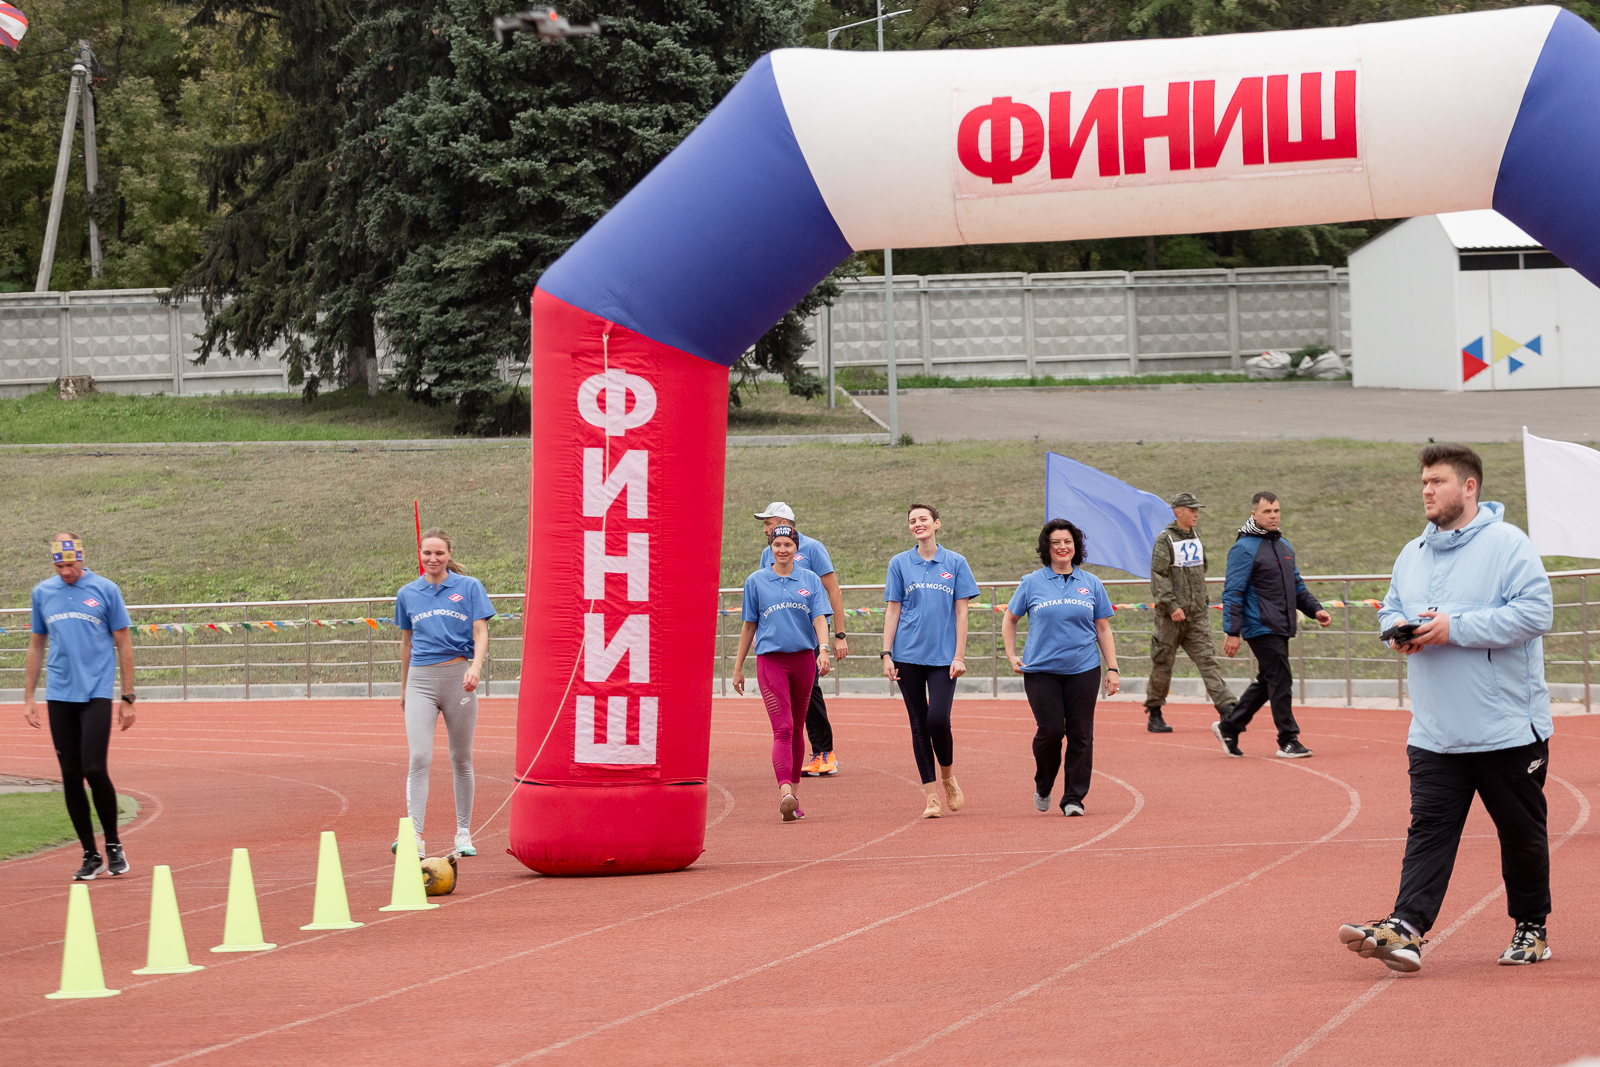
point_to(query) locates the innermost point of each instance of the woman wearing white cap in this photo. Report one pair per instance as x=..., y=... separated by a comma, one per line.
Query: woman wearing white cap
x=785, y=621
x=812, y=556
x=924, y=647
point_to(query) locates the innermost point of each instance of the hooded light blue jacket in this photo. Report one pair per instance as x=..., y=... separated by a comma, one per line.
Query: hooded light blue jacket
x=1485, y=689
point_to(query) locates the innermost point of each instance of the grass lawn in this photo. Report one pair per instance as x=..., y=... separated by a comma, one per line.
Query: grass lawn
x=344, y=415
x=109, y=418
x=857, y=378
x=769, y=409
x=264, y=524
x=33, y=821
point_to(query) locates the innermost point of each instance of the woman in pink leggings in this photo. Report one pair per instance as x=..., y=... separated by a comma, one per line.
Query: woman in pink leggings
x=785, y=618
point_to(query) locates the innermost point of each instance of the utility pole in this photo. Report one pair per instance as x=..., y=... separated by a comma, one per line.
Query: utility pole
x=91, y=160
x=52, y=228
x=888, y=254
x=888, y=308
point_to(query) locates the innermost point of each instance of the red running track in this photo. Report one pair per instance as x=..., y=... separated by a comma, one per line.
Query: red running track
x=1188, y=919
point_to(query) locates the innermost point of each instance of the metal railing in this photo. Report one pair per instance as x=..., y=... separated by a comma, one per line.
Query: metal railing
x=267, y=647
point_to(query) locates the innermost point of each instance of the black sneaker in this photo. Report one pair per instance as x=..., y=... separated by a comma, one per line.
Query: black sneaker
x=116, y=862
x=1293, y=750
x=1530, y=944
x=92, y=865
x=1230, y=742
x=1157, y=724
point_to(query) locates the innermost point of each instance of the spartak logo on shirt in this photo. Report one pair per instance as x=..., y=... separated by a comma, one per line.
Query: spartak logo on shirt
x=805, y=592
x=798, y=558
x=91, y=603
x=1081, y=589
x=946, y=575
x=455, y=596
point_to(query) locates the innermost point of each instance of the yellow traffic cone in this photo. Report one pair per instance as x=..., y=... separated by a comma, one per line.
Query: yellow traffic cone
x=331, y=911
x=81, y=976
x=241, y=932
x=168, y=952
x=408, y=893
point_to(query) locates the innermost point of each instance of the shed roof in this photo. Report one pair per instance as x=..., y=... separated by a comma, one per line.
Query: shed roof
x=1484, y=229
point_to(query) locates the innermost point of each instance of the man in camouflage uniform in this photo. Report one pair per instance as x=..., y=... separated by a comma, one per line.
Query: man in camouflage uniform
x=1182, y=610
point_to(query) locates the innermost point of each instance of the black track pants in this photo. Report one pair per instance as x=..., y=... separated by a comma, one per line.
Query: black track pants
x=928, y=692
x=1275, y=682
x=1063, y=707
x=1511, y=783
x=81, y=733
x=818, y=728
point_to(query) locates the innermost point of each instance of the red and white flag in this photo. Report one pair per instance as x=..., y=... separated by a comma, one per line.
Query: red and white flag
x=13, y=26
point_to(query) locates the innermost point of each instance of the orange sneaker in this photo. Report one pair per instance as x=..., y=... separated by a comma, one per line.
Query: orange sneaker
x=813, y=766
x=828, y=765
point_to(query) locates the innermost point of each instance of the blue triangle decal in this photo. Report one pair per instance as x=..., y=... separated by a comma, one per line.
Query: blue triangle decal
x=1535, y=343
x=1475, y=349
x=1516, y=364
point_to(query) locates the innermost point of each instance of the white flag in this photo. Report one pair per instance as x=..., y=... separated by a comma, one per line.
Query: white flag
x=1563, y=496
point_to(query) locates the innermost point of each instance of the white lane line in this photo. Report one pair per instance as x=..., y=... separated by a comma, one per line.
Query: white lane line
x=1383, y=983
x=508, y=958
x=981, y=1013
x=727, y=803
x=1138, y=805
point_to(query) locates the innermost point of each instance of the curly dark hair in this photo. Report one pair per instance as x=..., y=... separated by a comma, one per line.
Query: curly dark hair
x=1044, y=541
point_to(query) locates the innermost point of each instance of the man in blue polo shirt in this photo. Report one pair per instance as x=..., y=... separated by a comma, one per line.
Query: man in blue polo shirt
x=813, y=557
x=80, y=616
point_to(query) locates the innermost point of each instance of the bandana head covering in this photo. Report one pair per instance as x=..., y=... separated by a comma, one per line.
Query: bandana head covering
x=784, y=531
x=66, y=550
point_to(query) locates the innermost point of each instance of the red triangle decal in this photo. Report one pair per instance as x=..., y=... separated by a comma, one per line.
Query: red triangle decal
x=1471, y=367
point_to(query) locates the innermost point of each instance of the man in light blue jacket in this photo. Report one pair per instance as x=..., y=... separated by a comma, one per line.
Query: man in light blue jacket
x=1476, y=593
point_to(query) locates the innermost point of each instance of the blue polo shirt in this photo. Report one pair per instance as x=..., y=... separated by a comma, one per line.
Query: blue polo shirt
x=810, y=555
x=927, y=591
x=1061, y=611
x=440, y=617
x=79, y=619
x=783, y=609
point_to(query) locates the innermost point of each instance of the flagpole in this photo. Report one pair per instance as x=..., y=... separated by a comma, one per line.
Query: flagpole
x=52, y=227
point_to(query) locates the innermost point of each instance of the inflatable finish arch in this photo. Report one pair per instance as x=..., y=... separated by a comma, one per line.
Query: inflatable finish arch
x=815, y=153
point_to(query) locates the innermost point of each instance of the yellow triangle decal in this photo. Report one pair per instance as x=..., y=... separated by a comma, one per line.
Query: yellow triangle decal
x=1504, y=346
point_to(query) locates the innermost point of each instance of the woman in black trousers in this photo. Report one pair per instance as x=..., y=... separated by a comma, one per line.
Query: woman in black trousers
x=1069, y=632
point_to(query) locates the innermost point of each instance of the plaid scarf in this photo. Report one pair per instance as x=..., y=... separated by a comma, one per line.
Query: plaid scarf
x=1250, y=529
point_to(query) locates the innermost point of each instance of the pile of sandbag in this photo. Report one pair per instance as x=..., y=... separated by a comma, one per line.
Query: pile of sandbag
x=1276, y=365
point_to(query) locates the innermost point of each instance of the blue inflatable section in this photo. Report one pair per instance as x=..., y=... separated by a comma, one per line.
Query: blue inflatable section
x=718, y=242
x=1549, y=181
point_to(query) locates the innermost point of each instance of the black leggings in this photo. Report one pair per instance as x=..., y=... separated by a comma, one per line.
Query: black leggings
x=81, y=732
x=1063, y=706
x=928, y=693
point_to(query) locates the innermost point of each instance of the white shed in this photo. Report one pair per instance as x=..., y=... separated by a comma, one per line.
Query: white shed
x=1467, y=301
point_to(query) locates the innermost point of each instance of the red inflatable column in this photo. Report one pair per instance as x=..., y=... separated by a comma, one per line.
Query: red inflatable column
x=624, y=553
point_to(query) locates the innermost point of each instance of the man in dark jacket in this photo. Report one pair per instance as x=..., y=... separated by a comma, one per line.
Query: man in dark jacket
x=1259, y=599
x=1182, y=607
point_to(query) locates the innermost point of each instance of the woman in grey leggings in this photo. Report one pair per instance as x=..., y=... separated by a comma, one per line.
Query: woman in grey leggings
x=443, y=620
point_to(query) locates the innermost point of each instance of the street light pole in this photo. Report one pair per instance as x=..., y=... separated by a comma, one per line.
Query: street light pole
x=91, y=160
x=888, y=309
x=52, y=226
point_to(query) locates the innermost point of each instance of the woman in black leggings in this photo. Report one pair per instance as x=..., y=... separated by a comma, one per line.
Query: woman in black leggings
x=924, y=647
x=1069, y=631
x=80, y=636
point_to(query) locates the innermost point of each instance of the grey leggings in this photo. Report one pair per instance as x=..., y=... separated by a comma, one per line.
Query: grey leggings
x=430, y=692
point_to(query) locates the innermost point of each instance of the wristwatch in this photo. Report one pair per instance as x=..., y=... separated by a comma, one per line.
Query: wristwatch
x=885, y=653
x=129, y=698
x=838, y=635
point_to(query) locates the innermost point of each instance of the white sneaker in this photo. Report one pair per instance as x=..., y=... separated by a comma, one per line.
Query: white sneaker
x=464, y=843
x=422, y=849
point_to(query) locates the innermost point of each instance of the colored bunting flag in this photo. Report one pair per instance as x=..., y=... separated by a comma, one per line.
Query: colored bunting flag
x=13, y=26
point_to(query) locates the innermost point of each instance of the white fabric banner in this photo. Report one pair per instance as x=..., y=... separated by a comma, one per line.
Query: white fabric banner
x=1563, y=496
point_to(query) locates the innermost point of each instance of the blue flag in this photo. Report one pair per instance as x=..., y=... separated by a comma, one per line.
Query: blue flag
x=1119, y=523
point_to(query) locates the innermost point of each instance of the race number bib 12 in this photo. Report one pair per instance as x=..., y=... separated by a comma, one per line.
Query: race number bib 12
x=1188, y=553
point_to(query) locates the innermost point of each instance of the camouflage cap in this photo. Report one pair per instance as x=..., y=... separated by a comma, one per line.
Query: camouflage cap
x=1185, y=500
